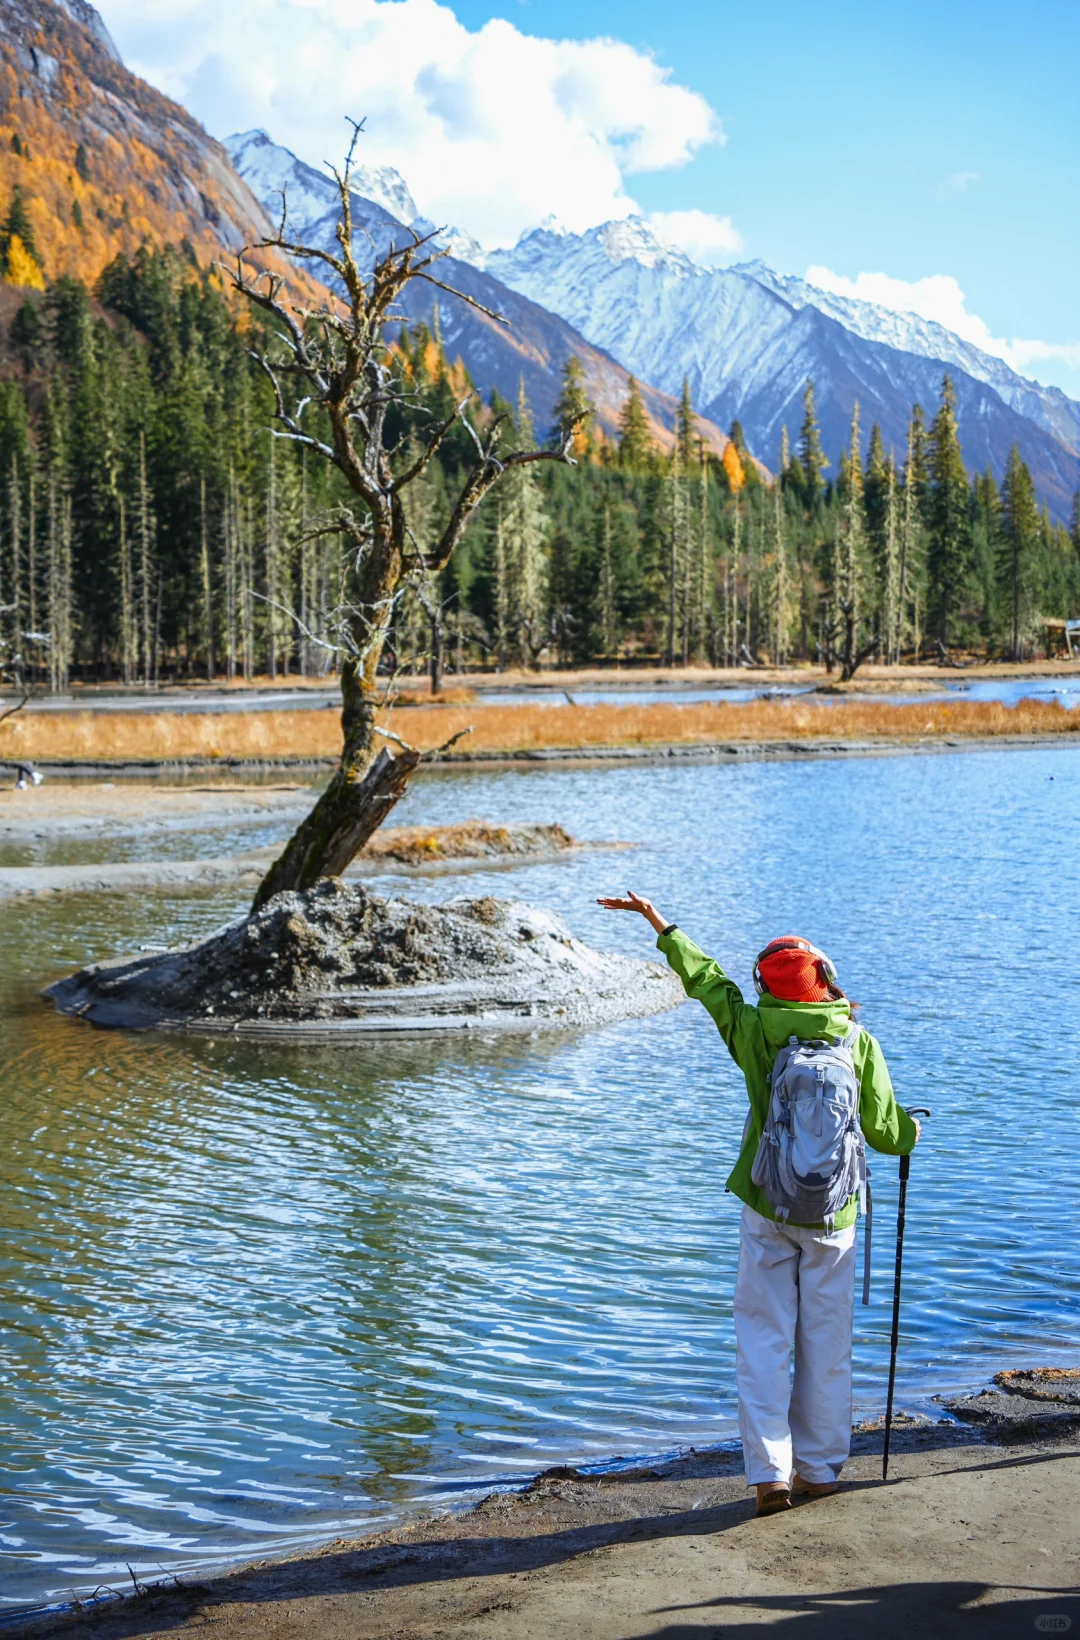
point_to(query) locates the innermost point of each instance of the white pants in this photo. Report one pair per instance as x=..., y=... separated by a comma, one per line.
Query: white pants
x=795, y=1287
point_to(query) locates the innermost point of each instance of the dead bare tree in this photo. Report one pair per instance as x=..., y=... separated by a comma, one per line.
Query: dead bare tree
x=335, y=377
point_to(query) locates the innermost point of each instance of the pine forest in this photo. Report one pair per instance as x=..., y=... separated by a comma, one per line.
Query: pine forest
x=152, y=527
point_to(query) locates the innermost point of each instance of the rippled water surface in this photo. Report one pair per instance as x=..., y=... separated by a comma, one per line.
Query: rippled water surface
x=258, y=1296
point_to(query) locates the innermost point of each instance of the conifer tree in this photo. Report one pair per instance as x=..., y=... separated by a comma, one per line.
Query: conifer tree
x=207, y=582
x=812, y=457
x=914, y=491
x=525, y=533
x=573, y=407
x=17, y=225
x=948, y=527
x=685, y=427
x=780, y=612
x=848, y=577
x=1019, y=539
x=146, y=529
x=636, y=444
x=891, y=566
x=26, y=329
x=876, y=493
x=704, y=609
x=129, y=643
x=731, y=583
x=608, y=634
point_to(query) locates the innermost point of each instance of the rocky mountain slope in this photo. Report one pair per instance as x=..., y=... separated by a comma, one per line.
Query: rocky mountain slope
x=747, y=339
x=534, y=343
x=1048, y=407
x=102, y=160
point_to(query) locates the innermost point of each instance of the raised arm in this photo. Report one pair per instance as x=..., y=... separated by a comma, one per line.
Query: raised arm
x=703, y=978
x=634, y=902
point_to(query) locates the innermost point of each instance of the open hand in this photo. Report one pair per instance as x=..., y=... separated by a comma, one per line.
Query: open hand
x=634, y=902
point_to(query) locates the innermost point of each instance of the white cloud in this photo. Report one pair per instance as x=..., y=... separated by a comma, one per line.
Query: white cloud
x=492, y=129
x=959, y=180
x=705, y=238
x=939, y=297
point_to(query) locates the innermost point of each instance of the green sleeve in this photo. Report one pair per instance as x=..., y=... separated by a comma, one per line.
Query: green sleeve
x=704, y=981
x=885, y=1126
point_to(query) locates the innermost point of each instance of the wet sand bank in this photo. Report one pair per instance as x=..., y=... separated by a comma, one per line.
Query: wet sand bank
x=966, y=1539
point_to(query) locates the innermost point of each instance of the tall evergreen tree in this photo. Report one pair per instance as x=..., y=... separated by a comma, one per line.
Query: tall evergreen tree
x=876, y=499
x=635, y=435
x=812, y=458
x=573, y=406
x=1019, y=540
x=852, y=544
x=948, y=517
x=686, y=427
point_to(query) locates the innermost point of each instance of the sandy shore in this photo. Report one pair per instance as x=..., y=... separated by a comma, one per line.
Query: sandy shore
x=966, y=1539
x=57, y=812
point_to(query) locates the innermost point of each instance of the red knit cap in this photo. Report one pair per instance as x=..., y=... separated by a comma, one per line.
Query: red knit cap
x=791, y=972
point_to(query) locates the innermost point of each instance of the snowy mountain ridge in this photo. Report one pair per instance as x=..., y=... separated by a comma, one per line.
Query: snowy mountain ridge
x=746, y=338
x=911, y=333
x=586, y=278
x=270, y=171
x=530, y=348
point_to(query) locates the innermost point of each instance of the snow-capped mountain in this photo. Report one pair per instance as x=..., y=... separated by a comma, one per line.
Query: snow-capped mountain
x=910, y=333
x=531, y=347
x=747, y=339
x=270, y=171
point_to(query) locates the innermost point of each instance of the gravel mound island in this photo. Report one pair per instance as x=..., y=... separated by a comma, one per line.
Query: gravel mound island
x=338, y=960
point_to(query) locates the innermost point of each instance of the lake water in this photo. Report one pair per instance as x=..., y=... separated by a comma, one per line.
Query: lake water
x=1009, y=691
x=547, y=691
x=255, y=1297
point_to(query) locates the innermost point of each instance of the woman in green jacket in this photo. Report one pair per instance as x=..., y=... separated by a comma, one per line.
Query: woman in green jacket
x=795, y=1288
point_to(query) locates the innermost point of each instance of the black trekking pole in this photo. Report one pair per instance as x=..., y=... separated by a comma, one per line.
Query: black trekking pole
x=905, y=1169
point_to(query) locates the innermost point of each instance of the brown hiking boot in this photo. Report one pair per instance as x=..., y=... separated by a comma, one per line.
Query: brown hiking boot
x=813, y=1489
x=772, y=1496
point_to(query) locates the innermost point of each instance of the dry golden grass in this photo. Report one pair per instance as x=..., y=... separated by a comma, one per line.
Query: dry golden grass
x=472, y=839
x=117, y=736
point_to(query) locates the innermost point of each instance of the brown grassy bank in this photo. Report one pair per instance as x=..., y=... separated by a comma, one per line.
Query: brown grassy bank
x=122, y=735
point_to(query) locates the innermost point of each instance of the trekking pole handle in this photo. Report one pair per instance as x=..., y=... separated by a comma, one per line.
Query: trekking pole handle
x=905, y=1161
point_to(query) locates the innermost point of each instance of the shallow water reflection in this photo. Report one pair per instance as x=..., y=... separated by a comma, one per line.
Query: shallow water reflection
x=256, y=1296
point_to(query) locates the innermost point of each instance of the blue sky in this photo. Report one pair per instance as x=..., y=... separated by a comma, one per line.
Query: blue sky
x=926, y=143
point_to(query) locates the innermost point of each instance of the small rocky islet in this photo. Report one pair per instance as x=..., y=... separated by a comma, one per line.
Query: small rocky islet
x=337, y=960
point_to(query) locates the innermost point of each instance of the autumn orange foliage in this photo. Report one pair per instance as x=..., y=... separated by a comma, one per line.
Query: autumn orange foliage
x=733, y=467
x=149, y=171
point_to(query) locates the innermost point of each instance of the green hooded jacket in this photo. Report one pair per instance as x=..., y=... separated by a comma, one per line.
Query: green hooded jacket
x=754, y=1037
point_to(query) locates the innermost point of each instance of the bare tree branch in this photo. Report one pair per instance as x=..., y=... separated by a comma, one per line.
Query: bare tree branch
x=341, y=389
x=13, y=709
x=434, y=751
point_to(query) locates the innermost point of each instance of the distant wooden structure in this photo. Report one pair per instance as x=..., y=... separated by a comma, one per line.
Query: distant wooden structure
x=1062, y=638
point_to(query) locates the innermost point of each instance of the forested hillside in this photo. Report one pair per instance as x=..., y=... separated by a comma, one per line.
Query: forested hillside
x=99, y=160
x=151, y=526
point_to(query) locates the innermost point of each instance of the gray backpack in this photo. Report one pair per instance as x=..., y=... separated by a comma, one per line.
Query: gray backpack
x=812, y=1157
